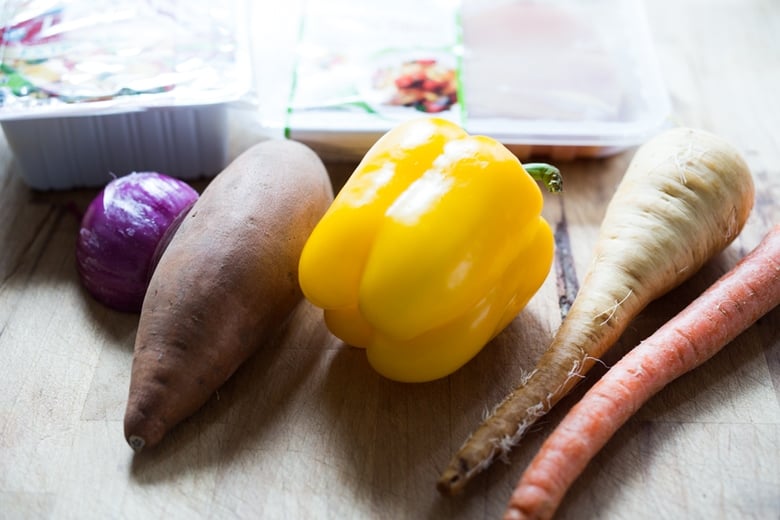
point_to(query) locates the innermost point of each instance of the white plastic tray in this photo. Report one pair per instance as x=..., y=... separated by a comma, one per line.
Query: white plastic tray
x=554, y=78
x=91, y=90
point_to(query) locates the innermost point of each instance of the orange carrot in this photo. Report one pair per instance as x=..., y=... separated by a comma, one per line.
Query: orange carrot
x=685, y=196
x=744, y=294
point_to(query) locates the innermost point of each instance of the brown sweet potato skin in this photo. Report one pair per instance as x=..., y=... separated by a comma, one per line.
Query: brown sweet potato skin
x=226, y=282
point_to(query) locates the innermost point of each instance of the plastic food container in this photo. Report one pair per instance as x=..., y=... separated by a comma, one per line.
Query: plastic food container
x=554, y=78
x=91, y=90
x=94, y=89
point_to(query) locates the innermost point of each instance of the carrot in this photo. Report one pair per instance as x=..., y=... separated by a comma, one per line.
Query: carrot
x=225, y=283
x=684, y=197
x=736, y=301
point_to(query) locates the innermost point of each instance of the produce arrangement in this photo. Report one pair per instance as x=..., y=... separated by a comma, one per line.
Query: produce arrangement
x=431, y=248
x=226, y=282
x=320, y=260
x=731, y=305
x=685, y=196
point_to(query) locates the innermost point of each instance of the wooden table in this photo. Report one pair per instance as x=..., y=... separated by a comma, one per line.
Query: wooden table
x=307, y=430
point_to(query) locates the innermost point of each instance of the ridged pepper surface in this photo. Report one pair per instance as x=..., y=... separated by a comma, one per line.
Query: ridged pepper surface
x=433, y=245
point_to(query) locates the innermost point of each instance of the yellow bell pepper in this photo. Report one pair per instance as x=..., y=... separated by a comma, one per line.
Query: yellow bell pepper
x=433, y=245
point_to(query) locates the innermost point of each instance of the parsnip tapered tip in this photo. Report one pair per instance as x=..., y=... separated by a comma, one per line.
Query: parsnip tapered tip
x=450, y=483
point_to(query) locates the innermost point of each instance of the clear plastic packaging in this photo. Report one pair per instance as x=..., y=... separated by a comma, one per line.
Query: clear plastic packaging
x=552, y=78
x=94, y=89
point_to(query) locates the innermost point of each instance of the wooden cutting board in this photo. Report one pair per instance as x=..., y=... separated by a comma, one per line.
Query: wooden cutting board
x=307, y=430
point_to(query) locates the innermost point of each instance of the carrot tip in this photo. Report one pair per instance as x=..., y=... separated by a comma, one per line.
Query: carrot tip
x=136, y=442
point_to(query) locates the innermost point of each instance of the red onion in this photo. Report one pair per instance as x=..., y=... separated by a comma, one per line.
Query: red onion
x=123, y=233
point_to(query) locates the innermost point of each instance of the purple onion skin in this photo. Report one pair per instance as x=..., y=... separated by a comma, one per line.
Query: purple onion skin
x=123, y=233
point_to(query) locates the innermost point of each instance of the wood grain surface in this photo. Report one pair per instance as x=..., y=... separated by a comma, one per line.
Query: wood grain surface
x=307, y=430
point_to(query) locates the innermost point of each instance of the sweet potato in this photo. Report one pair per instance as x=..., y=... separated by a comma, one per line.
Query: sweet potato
x=225, y=283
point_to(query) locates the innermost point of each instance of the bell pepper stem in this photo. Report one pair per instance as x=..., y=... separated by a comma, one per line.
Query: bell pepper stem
x=547, y=174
